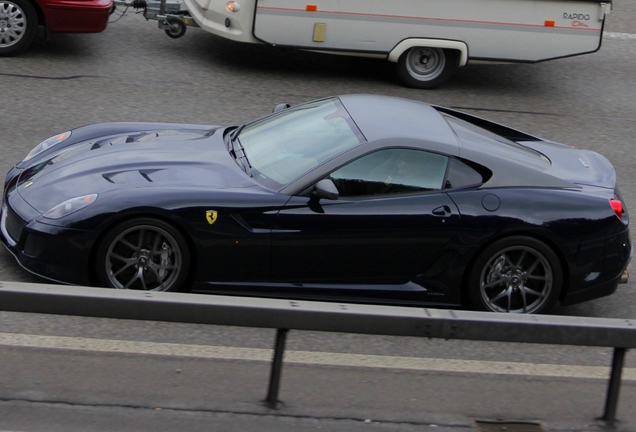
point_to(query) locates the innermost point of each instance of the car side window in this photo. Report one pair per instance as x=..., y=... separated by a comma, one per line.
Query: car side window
x=460, y=174
x=393, y=171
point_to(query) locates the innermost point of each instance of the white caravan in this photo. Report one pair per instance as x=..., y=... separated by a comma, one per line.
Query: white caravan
x=426, y=38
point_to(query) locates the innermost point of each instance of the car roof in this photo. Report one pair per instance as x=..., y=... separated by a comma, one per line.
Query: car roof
x=383, y=117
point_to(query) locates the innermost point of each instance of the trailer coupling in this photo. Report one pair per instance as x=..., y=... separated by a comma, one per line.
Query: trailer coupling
x=168, y=13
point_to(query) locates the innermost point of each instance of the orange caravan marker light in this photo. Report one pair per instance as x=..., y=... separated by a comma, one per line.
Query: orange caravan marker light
x=311, y=8
x=233, y=6
x=549, y=23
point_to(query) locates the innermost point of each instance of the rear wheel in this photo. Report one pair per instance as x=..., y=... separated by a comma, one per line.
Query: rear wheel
x=18, y=26
x=517, y=275
x=143, y=254
x=425, y=68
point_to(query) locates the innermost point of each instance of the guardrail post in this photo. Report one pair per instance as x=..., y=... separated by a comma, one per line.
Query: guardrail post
x=277, y=368
x=614, y=386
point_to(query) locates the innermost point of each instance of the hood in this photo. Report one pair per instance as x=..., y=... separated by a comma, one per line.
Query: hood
x=157, y=159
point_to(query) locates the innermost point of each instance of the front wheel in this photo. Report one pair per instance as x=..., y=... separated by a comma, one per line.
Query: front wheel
x=143, y=254
x=18, y=26
x=426, y=68
x=516, y=275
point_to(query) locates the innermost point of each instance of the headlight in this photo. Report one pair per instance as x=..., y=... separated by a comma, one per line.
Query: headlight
x=70, y=206
x=44, y=145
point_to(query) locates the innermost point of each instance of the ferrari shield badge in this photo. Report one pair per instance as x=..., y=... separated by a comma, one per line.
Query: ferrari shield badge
x=211, y=215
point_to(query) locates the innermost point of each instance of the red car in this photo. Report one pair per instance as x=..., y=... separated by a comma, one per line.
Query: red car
x=19, y=20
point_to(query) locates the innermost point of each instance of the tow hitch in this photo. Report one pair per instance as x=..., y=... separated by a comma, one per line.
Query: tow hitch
x=168, y=13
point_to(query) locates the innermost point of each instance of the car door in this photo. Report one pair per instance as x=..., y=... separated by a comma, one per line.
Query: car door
x=384, y=228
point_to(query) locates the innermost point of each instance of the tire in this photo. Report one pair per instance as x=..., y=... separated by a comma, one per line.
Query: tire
x=516, y=275
x=426, y=68
x=18, y=26
x=177, y=28
x=143, y=254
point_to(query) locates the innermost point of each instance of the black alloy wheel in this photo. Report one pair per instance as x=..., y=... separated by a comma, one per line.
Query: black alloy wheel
x=143, y=254
x=516, y=275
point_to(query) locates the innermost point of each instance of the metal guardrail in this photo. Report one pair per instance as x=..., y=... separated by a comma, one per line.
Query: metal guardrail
x=285, y=315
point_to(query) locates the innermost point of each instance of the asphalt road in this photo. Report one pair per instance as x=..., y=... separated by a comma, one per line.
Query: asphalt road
x=134, y=72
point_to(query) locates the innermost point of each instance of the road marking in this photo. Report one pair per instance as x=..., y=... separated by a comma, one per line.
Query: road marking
x=621, y=36
x=311, y=357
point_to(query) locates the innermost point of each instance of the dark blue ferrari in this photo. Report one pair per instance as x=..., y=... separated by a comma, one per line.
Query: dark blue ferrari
x=357, y=198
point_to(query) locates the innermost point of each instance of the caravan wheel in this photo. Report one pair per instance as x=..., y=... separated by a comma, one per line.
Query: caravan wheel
x=425, y=68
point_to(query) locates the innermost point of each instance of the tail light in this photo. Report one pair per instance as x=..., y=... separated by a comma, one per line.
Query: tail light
x=617, y=206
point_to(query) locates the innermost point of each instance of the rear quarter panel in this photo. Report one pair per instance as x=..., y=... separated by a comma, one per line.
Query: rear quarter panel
x=579, y=225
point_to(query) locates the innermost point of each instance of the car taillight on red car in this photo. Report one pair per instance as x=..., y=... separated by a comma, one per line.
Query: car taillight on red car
x=617, y=206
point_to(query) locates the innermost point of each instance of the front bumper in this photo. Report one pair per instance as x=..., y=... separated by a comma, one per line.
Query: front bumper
x=55, y=253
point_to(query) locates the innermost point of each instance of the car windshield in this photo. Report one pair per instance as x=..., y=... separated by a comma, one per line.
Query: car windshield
x=283, y=146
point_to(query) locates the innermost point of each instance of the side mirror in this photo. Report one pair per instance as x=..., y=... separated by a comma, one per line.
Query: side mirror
x=280, y=107
x=325, y=189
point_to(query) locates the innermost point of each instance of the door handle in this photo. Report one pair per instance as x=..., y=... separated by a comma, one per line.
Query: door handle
x=442, y=211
